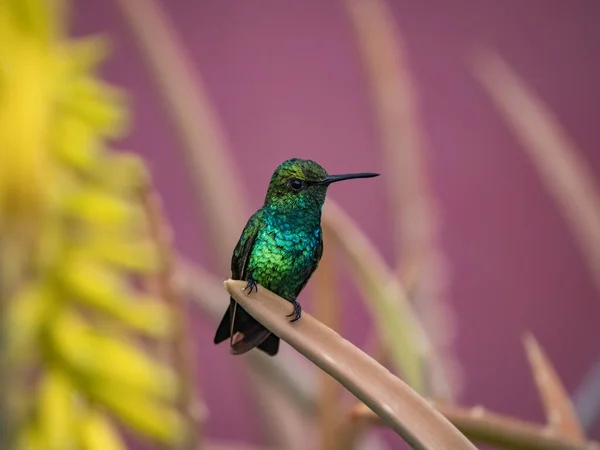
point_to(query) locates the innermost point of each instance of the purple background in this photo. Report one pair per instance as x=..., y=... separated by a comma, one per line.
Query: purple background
x=287, y=81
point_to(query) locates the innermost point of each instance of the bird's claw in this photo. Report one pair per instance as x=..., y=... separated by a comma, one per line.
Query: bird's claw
x=297, y=312
x=251, y=285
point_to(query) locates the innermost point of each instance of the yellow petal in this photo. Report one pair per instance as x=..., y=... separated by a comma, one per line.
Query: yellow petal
x=33, y=18
x=56, y=411
x=24, y=110
x=101, y=288
x=103, y=359
x=98, y=104
x=76, y=143
x=96, y=432
x=150, y=418
x=85, y=54
x=96, y=206
x=30, y=437
x=123, y=173
x=129, y=255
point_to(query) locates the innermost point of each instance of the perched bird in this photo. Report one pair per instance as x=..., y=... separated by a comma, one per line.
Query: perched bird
x=279, y=248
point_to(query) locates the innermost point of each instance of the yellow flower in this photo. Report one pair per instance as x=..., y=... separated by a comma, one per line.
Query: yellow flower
x=72, y=234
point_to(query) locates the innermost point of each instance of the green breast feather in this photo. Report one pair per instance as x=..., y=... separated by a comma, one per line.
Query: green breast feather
x=285, y=253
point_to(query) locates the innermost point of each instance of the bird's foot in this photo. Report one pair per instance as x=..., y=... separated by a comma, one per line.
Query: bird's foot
x=251, y=285
x=297, y=312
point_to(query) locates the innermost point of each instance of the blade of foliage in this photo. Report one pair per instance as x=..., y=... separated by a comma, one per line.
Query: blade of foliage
x=494, y=429
x=328, y=311
x=96, y=432
x=413, y=205
x=394, y=101
x=72, y=241
x=563, y=170
x=398, y=326
x=211, y=167
x=396, y=403
x=559, y=409
x=208, y=158
x=293, y=430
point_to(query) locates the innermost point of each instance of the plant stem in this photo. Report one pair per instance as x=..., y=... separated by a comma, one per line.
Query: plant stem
x=189, y=402
x=13, y=265
x=557, y=404
x=563, y=169
x=328, y=311
x=494, y=429
x=414, y=212
x=4, y=377
x=196, y=123
x=402, y=408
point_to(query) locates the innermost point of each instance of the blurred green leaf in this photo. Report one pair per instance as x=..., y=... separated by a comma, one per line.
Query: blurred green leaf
x=398, y=326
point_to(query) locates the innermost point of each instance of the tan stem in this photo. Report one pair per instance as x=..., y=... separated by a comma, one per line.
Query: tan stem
x=493, y=429
x=562, y=167
x=327, y=310
x=399, y=328
x=349, y=430
x=398, y=405
x=560, y=413
x=6, y=425
x=15, y=251
x=206, y=153
x=189, y=401
x=413, y=206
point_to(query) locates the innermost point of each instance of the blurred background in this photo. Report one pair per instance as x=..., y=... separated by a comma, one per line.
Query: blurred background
x=493, y=204
x=286, y=80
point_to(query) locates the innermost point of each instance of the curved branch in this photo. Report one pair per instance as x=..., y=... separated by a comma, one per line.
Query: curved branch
x=396, y=403
x=494, y=429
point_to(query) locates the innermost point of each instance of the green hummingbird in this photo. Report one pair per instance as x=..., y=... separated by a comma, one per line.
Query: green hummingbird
x=280, y=248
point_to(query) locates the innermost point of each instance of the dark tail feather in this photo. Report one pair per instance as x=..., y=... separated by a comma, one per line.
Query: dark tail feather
x=224, y=329
x=247, y=332
x=270, y=345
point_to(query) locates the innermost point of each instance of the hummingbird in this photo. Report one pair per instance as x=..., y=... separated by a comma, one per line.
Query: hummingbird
x=279, y=248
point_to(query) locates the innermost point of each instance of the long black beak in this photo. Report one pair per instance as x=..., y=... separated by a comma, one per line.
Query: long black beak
x=348, y=176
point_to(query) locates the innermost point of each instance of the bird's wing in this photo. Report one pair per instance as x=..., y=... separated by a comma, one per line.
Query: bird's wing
x=239, y=262
x=241, y=253
x=245, y=333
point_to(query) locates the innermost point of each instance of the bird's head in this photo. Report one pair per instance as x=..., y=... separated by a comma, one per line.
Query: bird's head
x=302, y=184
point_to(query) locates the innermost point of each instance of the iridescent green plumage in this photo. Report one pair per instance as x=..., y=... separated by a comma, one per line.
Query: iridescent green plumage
x=280, y=248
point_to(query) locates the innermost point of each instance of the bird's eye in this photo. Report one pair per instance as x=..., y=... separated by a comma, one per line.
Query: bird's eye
x=296, y=184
